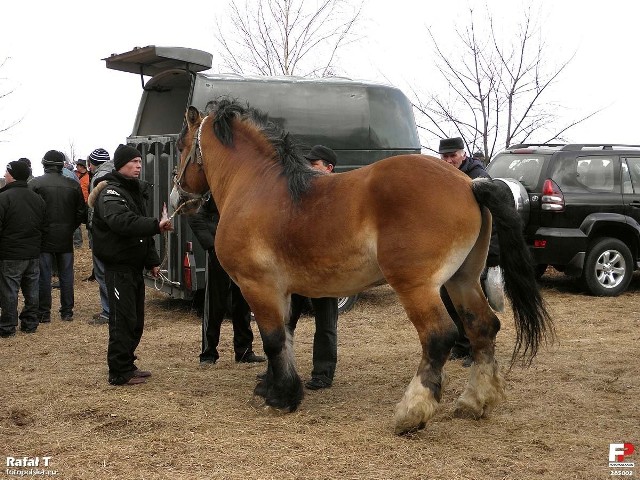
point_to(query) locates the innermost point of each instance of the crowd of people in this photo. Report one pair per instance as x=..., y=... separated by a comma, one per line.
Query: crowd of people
x=40, y=221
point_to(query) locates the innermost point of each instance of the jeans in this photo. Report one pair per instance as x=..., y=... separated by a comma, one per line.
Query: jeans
x=16, y=274
x=77, y=237
x=98, y=272
x=64, y=262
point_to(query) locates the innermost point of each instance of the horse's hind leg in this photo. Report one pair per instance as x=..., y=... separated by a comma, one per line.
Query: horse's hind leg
x=485, y=388
x=437, y=335
x=281, y=388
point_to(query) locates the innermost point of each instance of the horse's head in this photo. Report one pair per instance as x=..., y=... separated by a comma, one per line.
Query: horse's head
x=190, y=183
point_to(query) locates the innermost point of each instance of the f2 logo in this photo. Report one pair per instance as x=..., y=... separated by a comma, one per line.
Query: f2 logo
x=617, y=451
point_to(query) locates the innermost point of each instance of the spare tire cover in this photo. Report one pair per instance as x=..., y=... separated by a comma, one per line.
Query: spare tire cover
x=520, y=197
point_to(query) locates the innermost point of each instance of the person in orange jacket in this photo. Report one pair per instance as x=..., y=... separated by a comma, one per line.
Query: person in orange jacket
x=83, y=177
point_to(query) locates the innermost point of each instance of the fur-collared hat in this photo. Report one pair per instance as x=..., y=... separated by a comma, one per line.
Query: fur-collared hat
x=99, y=156
x=320, y=152
x=123, y=155
x=449, y=145
x=19, y=170
x=53, y=157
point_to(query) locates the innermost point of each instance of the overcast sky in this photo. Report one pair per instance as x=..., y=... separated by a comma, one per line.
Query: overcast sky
x=63, y=94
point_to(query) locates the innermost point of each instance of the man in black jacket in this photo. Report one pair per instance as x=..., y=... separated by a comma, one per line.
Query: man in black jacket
x=217, y=289
x=452, y=151
x=123, y=240
x=21, y=228
x=325, y=338
x=65, y=211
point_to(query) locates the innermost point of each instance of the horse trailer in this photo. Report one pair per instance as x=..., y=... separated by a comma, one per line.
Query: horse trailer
x=361, y=121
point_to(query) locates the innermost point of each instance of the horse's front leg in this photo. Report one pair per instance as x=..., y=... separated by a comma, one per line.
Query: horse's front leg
x=281, y=388
x=437, y=334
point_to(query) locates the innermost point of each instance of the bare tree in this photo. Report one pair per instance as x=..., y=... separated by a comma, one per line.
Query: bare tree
x=71, y=155
x=495, y=94
x=286, y=37
x=5, y=124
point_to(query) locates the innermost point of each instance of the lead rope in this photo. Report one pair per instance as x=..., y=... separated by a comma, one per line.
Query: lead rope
x=162, y=277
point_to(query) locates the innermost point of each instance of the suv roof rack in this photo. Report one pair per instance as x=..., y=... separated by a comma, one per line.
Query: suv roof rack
x=529, y=145
x=577, y=146
x=601, y=146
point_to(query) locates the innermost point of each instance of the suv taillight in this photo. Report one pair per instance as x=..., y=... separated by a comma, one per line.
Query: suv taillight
x=552, y=197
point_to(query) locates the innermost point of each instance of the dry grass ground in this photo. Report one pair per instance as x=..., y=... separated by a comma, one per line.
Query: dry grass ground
x=190, y=422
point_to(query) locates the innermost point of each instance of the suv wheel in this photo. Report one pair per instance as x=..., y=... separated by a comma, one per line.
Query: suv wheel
x=608, y=268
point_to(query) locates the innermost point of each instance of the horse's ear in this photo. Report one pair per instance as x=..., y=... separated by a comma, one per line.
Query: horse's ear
x=192, y=115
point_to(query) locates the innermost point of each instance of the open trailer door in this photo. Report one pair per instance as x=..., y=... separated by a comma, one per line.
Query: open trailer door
x=155, y=133
x=151, y=60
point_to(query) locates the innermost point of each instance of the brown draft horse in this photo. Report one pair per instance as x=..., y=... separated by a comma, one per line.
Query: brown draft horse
x=412, y=221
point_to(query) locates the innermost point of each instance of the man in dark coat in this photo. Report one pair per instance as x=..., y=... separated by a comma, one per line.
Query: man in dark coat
x=65, y=211
x=123, y=240
x=21, y=228
x=452, y=151
x=325, y=338
x=217, y=289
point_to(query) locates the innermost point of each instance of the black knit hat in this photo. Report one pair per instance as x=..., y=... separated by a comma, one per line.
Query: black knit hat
x=53, y=157
x=25, y=160
x=449, y=145
x=320, y=152
x=99, y=156
x=123, y=155
x=18, y=170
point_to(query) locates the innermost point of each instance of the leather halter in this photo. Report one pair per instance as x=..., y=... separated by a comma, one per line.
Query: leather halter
x=194, y=156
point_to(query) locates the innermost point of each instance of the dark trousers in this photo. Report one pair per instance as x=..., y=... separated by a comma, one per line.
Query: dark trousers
x=462, y=345
x=126, y=322
x=14, y=275
x=325, y=338
x=218, y=287
x=64, y=264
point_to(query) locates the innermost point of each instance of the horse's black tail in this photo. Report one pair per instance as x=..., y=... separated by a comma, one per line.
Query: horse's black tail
x=532, y=321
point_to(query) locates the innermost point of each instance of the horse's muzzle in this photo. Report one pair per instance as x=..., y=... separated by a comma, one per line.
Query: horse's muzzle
x=174, y=199
x=186, y=204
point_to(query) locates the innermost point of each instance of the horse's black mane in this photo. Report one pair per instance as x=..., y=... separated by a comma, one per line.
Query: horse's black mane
x=294, y=166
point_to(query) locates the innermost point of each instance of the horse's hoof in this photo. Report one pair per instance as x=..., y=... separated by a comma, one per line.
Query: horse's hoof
x=261, y=389
x=281, y=405
x=403, y=430
x=466, y=409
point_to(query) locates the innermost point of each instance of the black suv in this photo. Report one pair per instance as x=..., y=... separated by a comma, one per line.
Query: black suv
x=581, y=208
